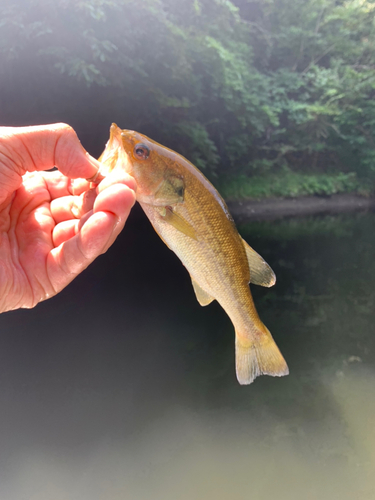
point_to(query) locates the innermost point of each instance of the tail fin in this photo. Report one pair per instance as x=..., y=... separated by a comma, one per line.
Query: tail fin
x=260, y=356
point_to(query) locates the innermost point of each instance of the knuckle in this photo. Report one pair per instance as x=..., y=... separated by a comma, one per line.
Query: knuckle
x=64, y=128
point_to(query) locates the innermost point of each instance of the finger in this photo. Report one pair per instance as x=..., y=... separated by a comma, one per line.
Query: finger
x=115, y=198
x=42, y=147
x=68, y=228
x=101, y=228
x=79, y=186
x=71, y=257
x=117, y=176
x=64, y=231
x=68, y=207
x=60, y=185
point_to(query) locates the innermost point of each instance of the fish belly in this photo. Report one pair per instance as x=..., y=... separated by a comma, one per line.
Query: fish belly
x=215, y=265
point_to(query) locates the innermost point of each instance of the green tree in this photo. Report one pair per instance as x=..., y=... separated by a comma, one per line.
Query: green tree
x=266, y=88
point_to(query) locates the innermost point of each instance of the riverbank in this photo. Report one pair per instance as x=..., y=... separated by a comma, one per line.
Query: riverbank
x=276, y=208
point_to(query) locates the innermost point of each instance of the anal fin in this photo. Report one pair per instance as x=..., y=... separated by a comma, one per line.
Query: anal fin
x=202, y=296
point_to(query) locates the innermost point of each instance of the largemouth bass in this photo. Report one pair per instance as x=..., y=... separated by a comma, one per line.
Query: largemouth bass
x=194, y=222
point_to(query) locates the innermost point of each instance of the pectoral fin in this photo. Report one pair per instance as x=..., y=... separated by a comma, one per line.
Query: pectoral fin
x=202, y=296
x=260, y=271
x=178, y=222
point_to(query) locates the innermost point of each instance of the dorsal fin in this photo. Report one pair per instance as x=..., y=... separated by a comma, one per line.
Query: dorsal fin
x=260, y=272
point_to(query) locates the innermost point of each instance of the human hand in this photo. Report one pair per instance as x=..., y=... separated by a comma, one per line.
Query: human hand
x=53, y=224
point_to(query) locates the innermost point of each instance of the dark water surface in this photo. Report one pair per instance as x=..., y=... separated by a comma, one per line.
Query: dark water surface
x=123, y=387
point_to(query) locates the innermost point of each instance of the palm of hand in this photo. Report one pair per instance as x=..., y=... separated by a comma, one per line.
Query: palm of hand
x=53, y=227
x=41, y=248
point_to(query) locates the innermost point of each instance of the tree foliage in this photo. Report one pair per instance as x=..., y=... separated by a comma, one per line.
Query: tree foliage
x=240, y=87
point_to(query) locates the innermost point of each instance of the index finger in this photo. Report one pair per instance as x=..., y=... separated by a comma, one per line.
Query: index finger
x=59, y=185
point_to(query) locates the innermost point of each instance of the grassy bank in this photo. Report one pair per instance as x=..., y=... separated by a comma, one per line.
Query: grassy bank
x=291, y=184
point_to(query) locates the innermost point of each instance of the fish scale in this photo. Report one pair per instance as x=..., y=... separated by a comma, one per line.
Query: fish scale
x=194, y=222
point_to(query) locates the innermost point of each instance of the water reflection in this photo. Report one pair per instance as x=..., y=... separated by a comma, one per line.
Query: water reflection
x=113, y=392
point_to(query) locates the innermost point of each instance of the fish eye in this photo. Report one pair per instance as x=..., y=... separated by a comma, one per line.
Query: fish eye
x=141, y=151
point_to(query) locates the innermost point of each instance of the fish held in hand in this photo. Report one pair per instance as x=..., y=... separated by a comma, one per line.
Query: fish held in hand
x=194, y=222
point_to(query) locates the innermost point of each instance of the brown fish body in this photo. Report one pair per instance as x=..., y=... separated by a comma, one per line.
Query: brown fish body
x=192, y=219
x=216, y=258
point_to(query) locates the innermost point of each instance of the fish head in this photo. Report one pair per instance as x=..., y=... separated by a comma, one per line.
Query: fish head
x=159, y=177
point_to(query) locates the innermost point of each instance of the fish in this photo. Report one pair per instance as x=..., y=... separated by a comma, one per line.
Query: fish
x=193, y=220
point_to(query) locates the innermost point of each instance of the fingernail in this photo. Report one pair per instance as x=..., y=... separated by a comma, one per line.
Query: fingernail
x=95, y=163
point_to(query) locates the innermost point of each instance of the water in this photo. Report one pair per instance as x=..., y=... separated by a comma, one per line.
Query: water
x=123, y=387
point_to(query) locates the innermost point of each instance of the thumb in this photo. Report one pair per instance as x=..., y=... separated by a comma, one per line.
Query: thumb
x=26, y=149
